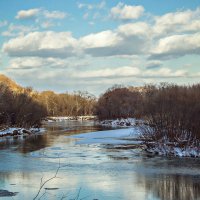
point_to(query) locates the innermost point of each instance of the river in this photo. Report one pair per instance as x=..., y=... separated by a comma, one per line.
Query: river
x=91, y=171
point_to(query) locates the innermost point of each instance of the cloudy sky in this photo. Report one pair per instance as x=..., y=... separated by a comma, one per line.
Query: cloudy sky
x=66, y=45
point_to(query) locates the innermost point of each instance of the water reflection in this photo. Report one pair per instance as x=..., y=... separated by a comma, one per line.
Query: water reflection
x=173, y=187
x=161, y=178
x=53, y=132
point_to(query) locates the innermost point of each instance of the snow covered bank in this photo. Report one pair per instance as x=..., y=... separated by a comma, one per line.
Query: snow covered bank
x=20, y=131
x=166, y=143
x=171, y=150
x=128, y=136
x=119, y=136
x=129, y=122
x=65, y=118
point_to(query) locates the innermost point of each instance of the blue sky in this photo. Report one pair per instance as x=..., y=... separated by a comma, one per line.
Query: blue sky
x=91, y=45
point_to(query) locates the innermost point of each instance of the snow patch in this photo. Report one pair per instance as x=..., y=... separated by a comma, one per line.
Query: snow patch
x=14, y=131
x=128, y=122
x=66, y=118
x=166, y=150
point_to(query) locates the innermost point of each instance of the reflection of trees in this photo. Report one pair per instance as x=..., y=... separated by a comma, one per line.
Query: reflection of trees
x=7, y=143
x=13, y=177
x=173, y=187
x=53, y=133
x=34, y=143
x=25, y=145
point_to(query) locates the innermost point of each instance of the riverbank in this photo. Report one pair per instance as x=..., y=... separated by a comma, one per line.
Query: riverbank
x=113, y=123
x=120, y=123
x=172, y=149
x=18, y=132
x=65, y=118
x=127, y=138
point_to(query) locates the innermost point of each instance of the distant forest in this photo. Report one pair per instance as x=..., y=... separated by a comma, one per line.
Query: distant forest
x=168, y=109
x=24, y=107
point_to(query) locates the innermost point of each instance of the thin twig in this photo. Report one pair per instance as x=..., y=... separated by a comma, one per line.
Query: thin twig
x=78, y=194
x=45, y=182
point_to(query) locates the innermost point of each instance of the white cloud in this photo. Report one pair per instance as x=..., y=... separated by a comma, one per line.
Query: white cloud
x=138, y=29
x=164, y=73
x=180, y=21
x=47, y=24
x=125, y=71
x=54, y=14
x=176, y=46
x=126, y=12
x=27, y=63
x=129, y=39
x=42, y=44
x=128, y=71
x=16, y=30
x=101, y=39
x=99, y=6
x=88, y=6
x=39, y=62
x=27, y=14
x=153, y=64
x=39, y=12
x=157, y=39
x=176, y=34
x=95, y=81
x=92, y=11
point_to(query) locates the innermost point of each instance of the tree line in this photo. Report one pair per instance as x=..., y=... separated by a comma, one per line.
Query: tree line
x=169, y=112
x=24, y=107
x=65, y=104
x=19, y=108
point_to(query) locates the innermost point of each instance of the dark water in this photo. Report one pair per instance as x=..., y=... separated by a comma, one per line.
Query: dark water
x=91, y=171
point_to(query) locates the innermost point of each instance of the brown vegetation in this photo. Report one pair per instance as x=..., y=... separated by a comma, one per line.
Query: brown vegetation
x=19, y=109
x=172, y=114
x=76, y=104
x=10, y=83
x=119, y=102
x=24, y=107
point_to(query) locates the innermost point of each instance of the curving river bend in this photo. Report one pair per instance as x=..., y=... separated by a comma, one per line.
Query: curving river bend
x=91, y=171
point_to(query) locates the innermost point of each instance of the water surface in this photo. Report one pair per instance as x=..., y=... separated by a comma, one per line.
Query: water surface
x=91, y=171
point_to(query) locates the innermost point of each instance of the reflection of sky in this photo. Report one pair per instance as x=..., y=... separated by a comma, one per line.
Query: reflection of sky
x=93, y=169
x=94, y=174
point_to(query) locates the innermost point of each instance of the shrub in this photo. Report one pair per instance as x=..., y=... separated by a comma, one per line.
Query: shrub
x=172, y=114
